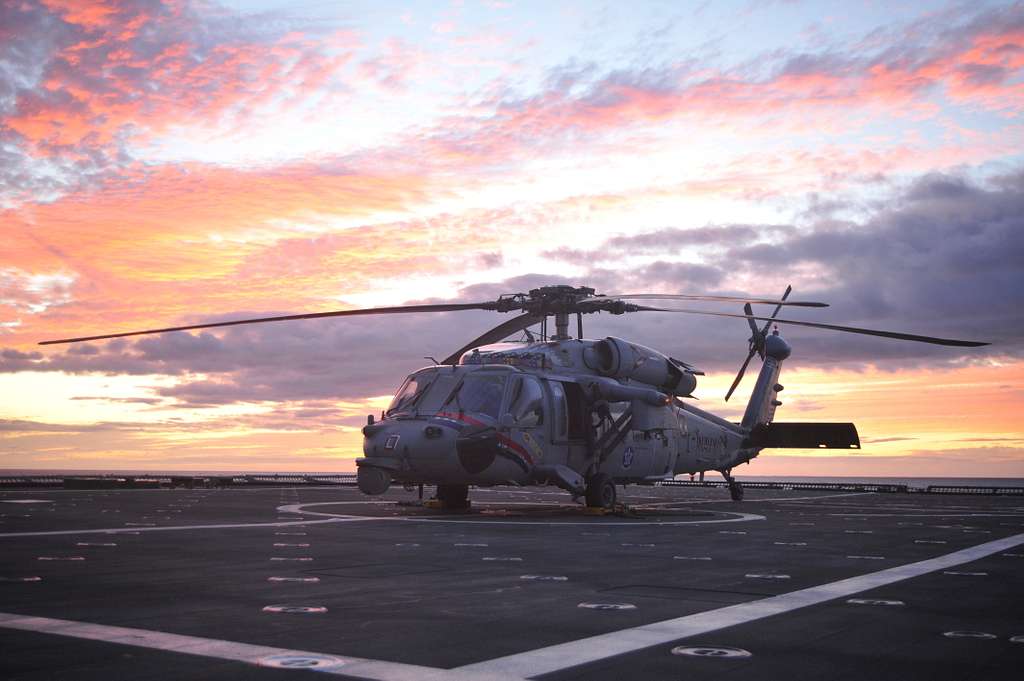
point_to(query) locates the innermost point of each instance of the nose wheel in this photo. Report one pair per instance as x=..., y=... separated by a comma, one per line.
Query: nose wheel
x=601, y=491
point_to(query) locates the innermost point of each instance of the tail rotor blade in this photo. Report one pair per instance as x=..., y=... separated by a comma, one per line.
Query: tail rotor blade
x=757, y=337
x=750, y=320
x=739, y=376
x=767, y=325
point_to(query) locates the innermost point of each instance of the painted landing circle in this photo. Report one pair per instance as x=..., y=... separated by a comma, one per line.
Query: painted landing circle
x=709, y=518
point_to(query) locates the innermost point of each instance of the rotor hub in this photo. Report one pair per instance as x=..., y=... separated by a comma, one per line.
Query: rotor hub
x=562, y=300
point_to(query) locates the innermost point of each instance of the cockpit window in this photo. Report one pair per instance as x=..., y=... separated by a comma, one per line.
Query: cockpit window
x=480, y=393
x=439, y=389
x=527, y=405
x=409, y=393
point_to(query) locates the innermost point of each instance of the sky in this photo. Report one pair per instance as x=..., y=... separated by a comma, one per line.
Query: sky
x=167, y=163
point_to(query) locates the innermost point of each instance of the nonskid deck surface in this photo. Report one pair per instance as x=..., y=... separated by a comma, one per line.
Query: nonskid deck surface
x=172, y=584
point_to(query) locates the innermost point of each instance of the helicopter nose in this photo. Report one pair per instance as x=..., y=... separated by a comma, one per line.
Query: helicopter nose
x=399, y=442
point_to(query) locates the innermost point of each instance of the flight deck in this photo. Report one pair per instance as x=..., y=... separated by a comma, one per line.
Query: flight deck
x=279, y=582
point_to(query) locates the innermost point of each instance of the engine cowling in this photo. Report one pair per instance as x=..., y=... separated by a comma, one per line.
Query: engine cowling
x=616, y=358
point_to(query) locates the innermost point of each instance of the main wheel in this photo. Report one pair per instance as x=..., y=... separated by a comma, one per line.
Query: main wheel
x=453, y=496
x=736, y=491
x=601, y=491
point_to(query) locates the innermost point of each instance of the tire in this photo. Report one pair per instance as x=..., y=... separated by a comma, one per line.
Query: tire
x=373, y=481
x=601, y=491
x=736, y=491
x=453, y=496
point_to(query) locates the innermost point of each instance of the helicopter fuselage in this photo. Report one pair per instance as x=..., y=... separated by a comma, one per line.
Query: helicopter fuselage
x=556, y=412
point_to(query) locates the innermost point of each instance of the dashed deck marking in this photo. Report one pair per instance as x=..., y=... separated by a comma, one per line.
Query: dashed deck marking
x=180, y=528
x=758, y=501
x=587, y=650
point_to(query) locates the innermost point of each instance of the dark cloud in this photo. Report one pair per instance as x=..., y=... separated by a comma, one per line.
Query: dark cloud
x=12, y=355
x=672, y=239
x=689, y=276
x=667, y=241
x=945, y=258
x=306, y=360
x=491, y=260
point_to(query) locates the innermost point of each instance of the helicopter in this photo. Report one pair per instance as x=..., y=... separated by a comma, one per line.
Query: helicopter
x=585, y=415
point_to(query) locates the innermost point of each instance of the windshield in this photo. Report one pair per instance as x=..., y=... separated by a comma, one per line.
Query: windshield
x=480, y=393
x=409, y=393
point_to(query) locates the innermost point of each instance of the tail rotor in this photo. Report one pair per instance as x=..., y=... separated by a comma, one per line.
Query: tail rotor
x=756, y=341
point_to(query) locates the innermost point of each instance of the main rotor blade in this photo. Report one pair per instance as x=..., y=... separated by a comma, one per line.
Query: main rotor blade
x=401, y=309
x=849, y=329
x=723, y=299
x=739, y=376
x=494, y=335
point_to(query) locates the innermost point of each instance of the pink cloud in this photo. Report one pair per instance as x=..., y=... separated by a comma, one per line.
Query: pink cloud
x=118, y=67
x=976, y=65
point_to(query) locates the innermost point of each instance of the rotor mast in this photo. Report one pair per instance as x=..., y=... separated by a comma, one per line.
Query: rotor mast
x=561, y=327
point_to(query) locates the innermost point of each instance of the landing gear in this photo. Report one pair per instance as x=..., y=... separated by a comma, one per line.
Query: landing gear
x=601, y=491
x=735, y=487
x=453, y=496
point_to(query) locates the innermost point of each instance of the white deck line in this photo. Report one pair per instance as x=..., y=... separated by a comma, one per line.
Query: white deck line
x=531, y=663
x=231, y=650
x=586, y=650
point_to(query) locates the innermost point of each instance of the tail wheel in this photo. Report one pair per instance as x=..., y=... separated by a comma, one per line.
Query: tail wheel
x=601, y=491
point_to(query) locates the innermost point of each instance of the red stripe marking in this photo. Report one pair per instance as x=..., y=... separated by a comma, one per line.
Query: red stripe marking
x=504, y=440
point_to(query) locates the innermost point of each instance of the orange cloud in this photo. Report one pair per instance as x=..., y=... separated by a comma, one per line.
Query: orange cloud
x=164, y=242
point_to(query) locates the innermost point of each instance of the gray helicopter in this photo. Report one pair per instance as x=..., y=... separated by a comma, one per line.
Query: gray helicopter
x=584, y=415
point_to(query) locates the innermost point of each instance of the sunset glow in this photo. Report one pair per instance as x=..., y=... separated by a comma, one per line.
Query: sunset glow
x=177, y=162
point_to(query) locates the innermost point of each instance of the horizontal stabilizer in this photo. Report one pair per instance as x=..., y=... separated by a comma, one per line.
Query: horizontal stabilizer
x=806, y=436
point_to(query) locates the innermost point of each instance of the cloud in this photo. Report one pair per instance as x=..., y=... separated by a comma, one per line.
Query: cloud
x=942, y=258
x=668, y=241
x=938, y=258
x=28, y=426
x=394, y=66
x=120, y=400
x=82, y=83
x=33, y=293
x=179, y=229
x=300, y=361
x=960, y=57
